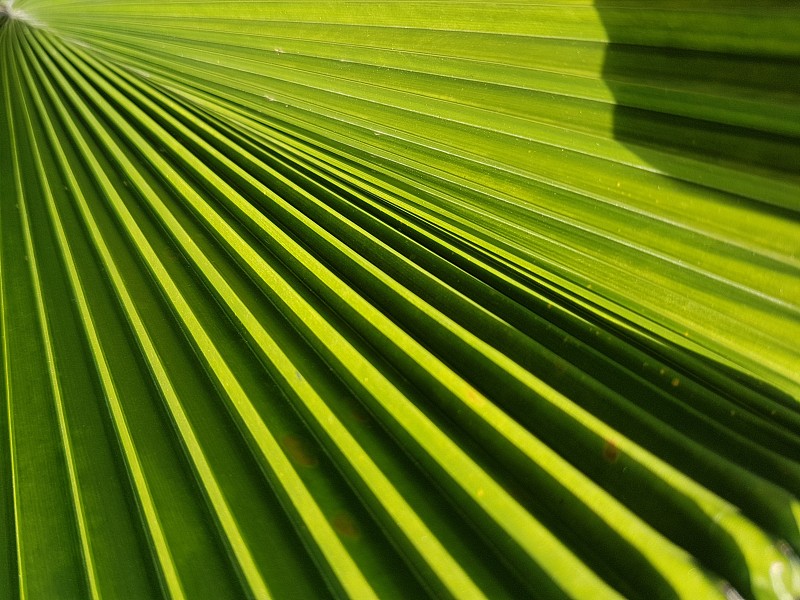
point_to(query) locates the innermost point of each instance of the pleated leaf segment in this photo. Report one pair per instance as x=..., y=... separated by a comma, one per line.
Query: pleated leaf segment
x=448, y=299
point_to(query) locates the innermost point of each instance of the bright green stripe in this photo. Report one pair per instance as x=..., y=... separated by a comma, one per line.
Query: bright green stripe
x=682, y=325
x=233, y=536
x=746, y=533
x=519, y=19
x=198, y=100
x=500, y=270
x=383, y=324
x=723, y=346
x=790, y=191
x=9, y=566
x=510, y=515
x=283, y=474
x=367, y=104
x=406, y=87
x=328, y=164
x=352, y=234
x=155, y=532
x=417, y=534
x=58, y=399
x=9, y=396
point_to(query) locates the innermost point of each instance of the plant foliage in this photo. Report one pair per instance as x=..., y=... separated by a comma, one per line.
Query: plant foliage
x=399, y=299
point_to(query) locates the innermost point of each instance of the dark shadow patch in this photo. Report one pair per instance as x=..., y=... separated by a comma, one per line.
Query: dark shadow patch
x=701, y=91
x=707, y=85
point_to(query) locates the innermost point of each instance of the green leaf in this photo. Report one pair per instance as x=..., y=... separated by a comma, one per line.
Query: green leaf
x=399, y=299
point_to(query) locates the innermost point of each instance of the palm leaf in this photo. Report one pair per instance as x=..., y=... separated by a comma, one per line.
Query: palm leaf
x=399, y=299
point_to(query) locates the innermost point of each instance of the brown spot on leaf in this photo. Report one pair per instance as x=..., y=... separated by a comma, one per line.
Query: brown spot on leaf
x=360, y=415
x=299, y=451
x=610, y=451
x=345, y=525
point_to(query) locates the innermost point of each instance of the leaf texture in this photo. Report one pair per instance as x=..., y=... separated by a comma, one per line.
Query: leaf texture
x=399, y=299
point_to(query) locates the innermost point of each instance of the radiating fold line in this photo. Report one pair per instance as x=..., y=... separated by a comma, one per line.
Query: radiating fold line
x=239, y=249
x=53, y=376
x=730, y=182
x=6, y=65
x=258, y=434
x=374, y=260
x=374, y=375
x=485, y=241
x=457, y=302
x=232, y=535
x=671, y=223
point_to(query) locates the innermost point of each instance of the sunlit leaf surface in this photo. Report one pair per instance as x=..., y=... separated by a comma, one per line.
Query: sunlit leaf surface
x=399, y=299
